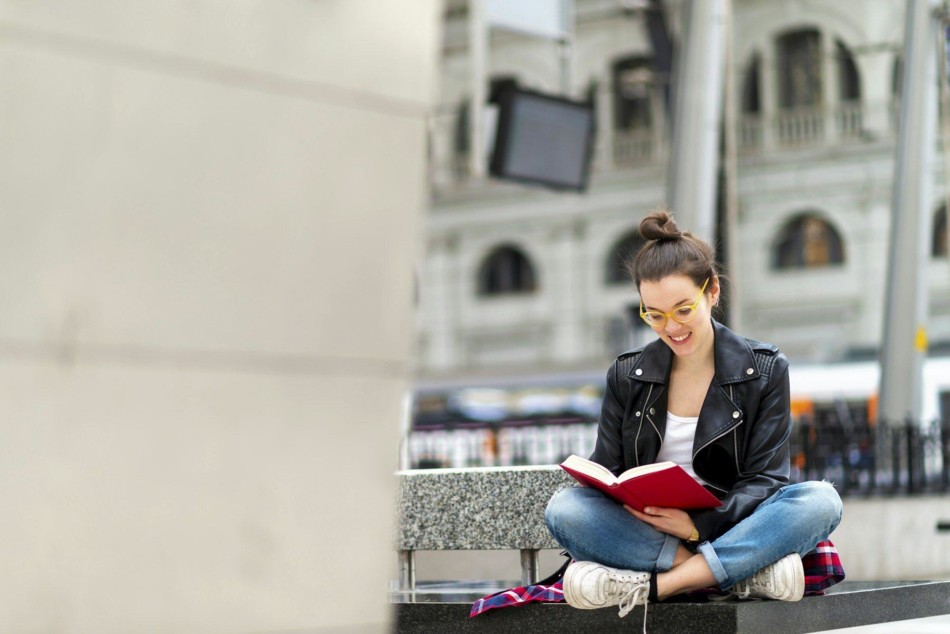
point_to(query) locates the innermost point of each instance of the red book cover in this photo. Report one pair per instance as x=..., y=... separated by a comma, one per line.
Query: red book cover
x=663, y=484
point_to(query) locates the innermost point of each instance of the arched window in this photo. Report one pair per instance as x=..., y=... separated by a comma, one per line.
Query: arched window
x=751, y=100
x=506, y=271
x=938, y=247
x=849, y=81
x=799, y=69
x=621, y=253
x=633, y=88
x=807, y=241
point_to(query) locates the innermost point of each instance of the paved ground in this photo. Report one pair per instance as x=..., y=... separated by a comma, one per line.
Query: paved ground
x=931, y=625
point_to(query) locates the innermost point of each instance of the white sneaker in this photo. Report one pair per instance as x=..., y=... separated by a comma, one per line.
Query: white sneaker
x=782, y=581
x=589, y=585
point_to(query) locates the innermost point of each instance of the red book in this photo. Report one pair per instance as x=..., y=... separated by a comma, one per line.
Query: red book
x=664, y=484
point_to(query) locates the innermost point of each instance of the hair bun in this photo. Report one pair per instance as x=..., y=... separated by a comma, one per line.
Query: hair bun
x=660, y=225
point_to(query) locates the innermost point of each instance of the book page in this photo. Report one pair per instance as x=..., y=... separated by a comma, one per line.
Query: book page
x=644, y=469
x=592, y=469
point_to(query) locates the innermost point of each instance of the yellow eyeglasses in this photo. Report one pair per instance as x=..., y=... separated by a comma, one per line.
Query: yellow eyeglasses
x=681, y=315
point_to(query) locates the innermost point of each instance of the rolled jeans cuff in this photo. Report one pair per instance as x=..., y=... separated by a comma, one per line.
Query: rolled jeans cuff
x=667, y=553
x=712, y=560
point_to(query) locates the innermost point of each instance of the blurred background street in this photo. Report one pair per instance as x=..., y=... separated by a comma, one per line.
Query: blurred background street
x=523, y=299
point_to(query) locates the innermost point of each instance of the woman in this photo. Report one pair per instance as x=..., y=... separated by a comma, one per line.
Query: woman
x=716, y=404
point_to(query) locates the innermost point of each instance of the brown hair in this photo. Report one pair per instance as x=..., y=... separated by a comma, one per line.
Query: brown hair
x=669, y=251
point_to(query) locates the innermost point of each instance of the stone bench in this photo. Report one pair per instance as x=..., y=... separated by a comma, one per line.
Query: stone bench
x=484, y=508
x=503, y=509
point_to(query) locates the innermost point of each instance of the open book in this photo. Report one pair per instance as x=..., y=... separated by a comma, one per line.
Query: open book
x=664, y=484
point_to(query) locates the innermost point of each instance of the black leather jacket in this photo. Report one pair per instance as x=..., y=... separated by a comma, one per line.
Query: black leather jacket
x=741, y=443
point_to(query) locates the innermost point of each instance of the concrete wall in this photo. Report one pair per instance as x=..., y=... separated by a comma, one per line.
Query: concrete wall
x=209, y=214
x=895, y=539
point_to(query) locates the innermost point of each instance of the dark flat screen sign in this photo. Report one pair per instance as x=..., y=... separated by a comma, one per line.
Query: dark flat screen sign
x=543, y=140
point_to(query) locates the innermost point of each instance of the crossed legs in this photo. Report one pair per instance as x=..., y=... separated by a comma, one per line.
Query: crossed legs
x=593, y=528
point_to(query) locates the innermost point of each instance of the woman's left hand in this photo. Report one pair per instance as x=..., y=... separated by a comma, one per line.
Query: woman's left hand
x=675, y=522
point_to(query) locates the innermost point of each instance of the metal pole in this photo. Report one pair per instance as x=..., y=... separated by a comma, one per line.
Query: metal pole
x=691, y=185
x=529, y=565
x=945, y=452
x=944, y=118
x=407, y=570
x=904, y=343
x=566, y=47
x=730, y=180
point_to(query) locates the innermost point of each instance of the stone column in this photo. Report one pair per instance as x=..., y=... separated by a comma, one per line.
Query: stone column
x=769, y=96
x=440, y=303
x=829, y=87
x=211, y=213
x=568, y=308
x=605, y=125
x=876, y=68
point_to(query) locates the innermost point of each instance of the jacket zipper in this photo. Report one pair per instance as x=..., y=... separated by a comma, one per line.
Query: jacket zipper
x=735, y=430
x=712, y=440
x=643, y=414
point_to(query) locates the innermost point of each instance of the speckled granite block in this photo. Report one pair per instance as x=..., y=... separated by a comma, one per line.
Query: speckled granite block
x=487, y=508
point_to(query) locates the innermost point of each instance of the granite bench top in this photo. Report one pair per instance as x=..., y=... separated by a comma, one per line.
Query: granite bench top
x=482, y=508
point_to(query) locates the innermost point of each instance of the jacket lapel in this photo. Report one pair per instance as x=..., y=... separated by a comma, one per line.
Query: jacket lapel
x=735, y=363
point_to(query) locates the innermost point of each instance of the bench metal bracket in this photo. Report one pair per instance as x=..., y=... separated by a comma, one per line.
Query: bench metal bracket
x=407, y=570
x=529, y=565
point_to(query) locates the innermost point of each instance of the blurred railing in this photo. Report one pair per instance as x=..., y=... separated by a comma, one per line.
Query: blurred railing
x=507, y=444
x=750, y=133
x=636, y=147
x=849, y=119
x=869, y=459
x=801, y=126
x=860, y=458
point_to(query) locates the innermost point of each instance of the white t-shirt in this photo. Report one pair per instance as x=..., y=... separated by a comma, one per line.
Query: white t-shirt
x=678, y=443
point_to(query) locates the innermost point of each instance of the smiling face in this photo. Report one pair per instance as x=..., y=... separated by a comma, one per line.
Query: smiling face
x=694, y=339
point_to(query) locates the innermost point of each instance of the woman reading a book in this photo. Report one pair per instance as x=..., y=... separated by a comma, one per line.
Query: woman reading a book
x=717, y=405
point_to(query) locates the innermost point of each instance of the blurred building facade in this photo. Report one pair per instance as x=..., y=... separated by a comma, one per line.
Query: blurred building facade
x=525, y=281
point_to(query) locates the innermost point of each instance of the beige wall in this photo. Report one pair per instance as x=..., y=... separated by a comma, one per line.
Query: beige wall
x=209, y=214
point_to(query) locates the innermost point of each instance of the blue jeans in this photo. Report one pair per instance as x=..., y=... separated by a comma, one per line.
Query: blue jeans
x=594, y=528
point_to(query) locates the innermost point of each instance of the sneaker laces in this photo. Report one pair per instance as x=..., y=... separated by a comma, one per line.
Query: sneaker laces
x=745, y=587
x=633, y=593
x=741, y=590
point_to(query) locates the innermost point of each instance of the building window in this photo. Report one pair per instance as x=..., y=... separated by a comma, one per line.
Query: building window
x=849, y=81
x=633, y=90
x=807, y=241
x=751, y=101
x=939, y=246
x=506, y=271
x=620, y=254
x=897, y=77
x=799, y=69
x=460, y=138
